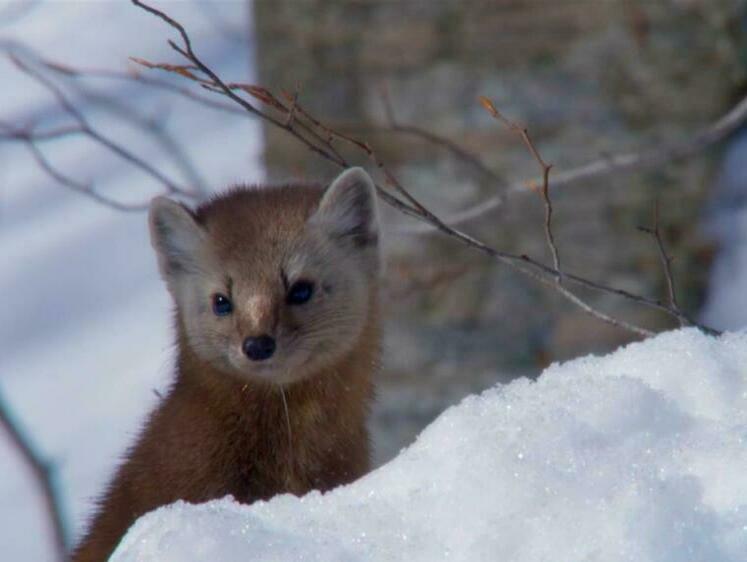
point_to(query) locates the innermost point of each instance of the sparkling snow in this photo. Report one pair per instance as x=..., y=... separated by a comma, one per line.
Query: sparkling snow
x=640, y=455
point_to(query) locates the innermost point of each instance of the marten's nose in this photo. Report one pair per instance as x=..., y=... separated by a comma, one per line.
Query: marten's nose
x=259, y=348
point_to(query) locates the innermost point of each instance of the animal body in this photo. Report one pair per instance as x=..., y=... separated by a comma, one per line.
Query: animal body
x=276, y=314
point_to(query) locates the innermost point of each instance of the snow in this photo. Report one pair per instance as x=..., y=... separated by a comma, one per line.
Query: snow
x=639, y=455
x=84, y=325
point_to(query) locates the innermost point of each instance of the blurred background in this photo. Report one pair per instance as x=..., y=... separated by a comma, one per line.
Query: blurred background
x=85, y=339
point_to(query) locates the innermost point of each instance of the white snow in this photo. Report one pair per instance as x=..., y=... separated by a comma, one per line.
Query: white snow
x=640, y=455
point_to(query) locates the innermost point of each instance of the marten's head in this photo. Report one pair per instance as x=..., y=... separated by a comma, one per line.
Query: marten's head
x=272, y=283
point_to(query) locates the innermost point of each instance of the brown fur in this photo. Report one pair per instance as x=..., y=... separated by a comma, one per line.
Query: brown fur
x=220, y=431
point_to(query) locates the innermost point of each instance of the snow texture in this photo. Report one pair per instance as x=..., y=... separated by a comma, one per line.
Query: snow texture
x=639, y=455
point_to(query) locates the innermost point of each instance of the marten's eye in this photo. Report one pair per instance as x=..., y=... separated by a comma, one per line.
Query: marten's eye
x=300, y=292
x=221, y=305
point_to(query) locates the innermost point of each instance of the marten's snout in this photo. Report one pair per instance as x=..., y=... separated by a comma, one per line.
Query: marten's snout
x=259, y=348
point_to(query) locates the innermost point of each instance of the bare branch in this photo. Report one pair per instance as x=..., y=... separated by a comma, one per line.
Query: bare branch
x=134, y=76
x=523, y=133
x=545, y=168
x=42, y=472
x=131, y=75
x=666, y=262
x=616, y=164
x=84, y=189
x=293, y=106
x=460, y=153
x=221, y=87
x=154, y=127
x=548, y=221
x=31, y=137
x=12, y=133
x=321, y=144
x=85, y=128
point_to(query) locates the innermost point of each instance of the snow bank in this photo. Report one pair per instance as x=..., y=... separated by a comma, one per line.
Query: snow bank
x=640, y=455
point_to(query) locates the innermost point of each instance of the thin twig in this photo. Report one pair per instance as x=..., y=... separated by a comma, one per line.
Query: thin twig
x=617, y=164
x=666, y=262
x=513, y=260
x=227, y=91
x=609, y=164
x=154, y=127
x=43, y=475
x=30, y=138
x=460, y=153
x=549, y=236
x=394, y=126
x=293, y=105
x=88, y=130
x=158, y=133
x=140, y=78
x=188, y=53
x=12, y=133
x=409, y=204
x=545, y=168
x=84, y=189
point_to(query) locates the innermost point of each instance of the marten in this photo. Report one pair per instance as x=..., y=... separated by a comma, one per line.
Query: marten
x=276, y=313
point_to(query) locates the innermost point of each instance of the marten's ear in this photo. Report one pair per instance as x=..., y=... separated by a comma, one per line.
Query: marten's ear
x=175, y=235
x=348, y=208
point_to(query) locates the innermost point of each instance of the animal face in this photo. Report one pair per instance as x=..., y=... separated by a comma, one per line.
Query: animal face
x=274, y=283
